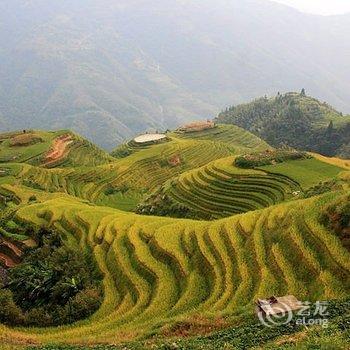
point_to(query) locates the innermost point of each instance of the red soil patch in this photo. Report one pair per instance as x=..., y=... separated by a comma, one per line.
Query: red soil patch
x=10, y=254
x=59, y=149
x=7, y=261
x=13, y=247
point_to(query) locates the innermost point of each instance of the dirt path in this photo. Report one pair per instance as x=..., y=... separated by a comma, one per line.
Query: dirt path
x=58, y=149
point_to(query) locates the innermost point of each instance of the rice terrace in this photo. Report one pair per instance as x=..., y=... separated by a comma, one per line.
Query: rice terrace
x=171, y=254
x=174, y=175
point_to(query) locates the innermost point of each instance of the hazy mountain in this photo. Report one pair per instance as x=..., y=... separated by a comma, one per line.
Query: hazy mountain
x=109, y=69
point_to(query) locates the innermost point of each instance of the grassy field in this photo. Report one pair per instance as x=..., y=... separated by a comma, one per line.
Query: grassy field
x=307, y=172
x=169, y=278
x=341, y=163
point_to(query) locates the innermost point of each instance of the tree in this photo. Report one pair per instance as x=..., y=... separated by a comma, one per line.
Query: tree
x=330, y=128
x=303, y=93
x=10, y=313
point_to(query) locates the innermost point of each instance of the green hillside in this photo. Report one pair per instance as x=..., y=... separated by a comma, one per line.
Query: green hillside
x=166, y=280
x=121, y=183
x=50, y=149
x=294, y=119
x=28, y=146
x=220, y=189
x=153, y=268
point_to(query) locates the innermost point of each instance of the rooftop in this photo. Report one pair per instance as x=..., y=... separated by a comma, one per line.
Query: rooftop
x=277, y=305
x=149, y=138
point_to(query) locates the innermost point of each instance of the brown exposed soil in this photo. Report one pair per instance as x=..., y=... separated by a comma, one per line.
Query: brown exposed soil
x=24, y=139
x=58, y=150
x=197, y=126
x=6, y=261
x=10, y=254
x=195, y=326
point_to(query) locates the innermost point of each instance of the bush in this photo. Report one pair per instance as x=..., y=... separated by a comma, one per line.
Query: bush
x=268, y=157
x=32, y=199
x=337, y=218
x=38, y=317
x=25, y=140
x=54, y=285
x=321, y=188
x=81, y=305
x=109, y=191
x=10, y=313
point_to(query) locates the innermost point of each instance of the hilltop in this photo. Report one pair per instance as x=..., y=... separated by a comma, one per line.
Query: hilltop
x=50, y=149
x=141, y=281
x=296, y=120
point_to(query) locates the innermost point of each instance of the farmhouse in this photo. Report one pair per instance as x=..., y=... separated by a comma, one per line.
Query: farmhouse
x=197, y=126
x=278, y=305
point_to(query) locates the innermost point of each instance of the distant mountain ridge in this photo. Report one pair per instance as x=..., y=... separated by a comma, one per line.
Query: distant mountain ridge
x=111, y=69
x=296, y=120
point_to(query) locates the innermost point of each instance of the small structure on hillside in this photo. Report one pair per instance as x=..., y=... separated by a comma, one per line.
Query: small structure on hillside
x=149, y=138
x=197, y=126
x=278, y=305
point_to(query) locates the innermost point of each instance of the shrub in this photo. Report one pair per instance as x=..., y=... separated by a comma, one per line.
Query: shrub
x=322, y=187
x=109, y=191
x=81, y=304
x=24, y=140
x=10, y=313
x=37, y=317
x=268, y=157
x=32, y=199
x=54, y=285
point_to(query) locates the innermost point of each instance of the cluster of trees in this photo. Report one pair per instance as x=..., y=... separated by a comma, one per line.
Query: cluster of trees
x=254, y=160
x=293, y=119
x=54, y=285
x=337, y=217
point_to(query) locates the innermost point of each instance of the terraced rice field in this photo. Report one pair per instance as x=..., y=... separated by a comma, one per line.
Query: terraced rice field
x=77, y=151
x=29, y=153
x=89, y=173
x=219, y=189
x=160, y=270
x=229, y=134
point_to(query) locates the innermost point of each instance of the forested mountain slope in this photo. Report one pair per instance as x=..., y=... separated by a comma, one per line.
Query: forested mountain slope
x=296, y=120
